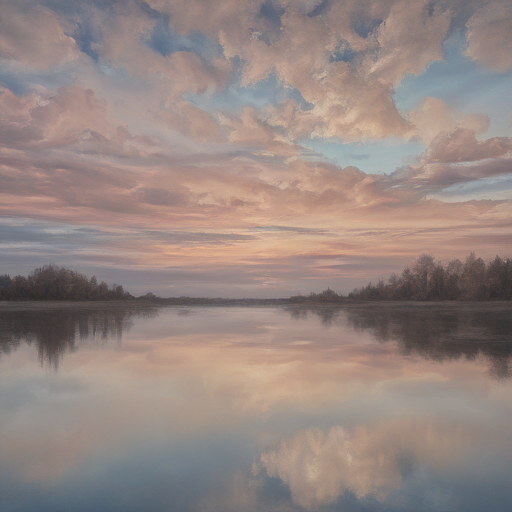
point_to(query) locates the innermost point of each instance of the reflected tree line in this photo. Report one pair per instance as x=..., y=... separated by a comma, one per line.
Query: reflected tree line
x=430, y=280
x=435, y=334
x=55, y=283
x=430, y=332
x=55, y=332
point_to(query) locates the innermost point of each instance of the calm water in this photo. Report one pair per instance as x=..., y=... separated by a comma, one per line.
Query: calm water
x=256, y=409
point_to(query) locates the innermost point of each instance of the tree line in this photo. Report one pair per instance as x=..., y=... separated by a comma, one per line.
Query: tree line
x=325, y=296
x=51, y=282
x=428, y=279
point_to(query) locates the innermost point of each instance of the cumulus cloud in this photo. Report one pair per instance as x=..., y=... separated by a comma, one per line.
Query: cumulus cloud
x=461, y=145
x=456, y=156
x=73, y=117
x=367, y=112
x=249, y=129
x=342, y=57
x=434, y=116
x=122, y=45
x=415, y=31
x=191, y=121
x=489, y=35
x=34, y=38
x=344, y=60
x=344, y=104
x=51, y=120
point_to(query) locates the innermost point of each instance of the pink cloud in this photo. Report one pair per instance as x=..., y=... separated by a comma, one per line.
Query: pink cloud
x=52, y=120
x=434, y=116
x=409, y=38
x=457, y=157
x=150, y=139
x=72, y=117
x=122, y=45
x=192, y=122
x=461, y=145
x=353, y=102
x=489, y=35
x=34, y=38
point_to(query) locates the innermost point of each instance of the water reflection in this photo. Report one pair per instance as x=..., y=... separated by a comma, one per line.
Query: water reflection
x=395, y=464
x=56, y=331
x=320, y=467
x=254, y=410
x=435, y=332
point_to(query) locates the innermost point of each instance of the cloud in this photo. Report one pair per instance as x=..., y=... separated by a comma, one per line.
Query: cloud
x=320, y=467
x=64, y=182
x=123, y=45
x=140, y=179
x=192, y=122
x=16, y=124
x=434, y=177
x=352, y=95
x=51, y=120
x=163, y=197
x=289, y=229
x=34, y=38
x=345, y=104
x=489, y=35
x=454, y=157
x=344, y=61
x=73, y=118
x=461, y=145
x=194, y=116
x=250, y=130
x=414, y=31
x=434, y=116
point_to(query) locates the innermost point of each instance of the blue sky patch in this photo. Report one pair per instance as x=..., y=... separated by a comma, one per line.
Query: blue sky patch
x=165, y=41
x=375, y=157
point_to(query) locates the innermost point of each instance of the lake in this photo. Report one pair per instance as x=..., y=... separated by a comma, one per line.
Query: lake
x=371, y=407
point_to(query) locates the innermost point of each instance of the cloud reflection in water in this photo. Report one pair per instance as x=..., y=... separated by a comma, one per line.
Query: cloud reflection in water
x=368, y=461
x=336, y=413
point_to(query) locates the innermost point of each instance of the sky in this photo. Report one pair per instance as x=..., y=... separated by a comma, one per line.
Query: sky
x=249, y=148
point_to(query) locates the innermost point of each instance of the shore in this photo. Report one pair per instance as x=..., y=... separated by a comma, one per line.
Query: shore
x=348, y=304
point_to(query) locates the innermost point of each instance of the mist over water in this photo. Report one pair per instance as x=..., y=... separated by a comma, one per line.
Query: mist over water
x=369, y=407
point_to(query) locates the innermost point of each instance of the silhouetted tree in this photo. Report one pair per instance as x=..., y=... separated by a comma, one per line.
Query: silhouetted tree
x=430, y=280
x=422, y=271
x=472, y=282
x=55, y=283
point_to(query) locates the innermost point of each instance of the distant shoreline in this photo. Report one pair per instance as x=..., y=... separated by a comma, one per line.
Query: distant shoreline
x=7, y=305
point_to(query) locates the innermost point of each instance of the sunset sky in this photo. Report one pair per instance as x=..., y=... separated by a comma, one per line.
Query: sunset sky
x=245, y=148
